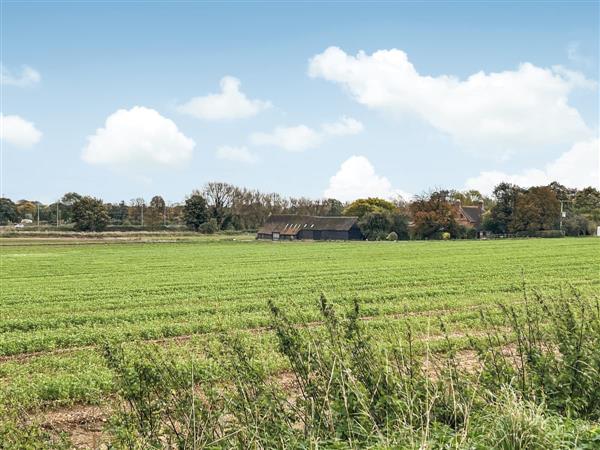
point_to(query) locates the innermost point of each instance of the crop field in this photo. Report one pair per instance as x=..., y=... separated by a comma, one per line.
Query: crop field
x=60, y=302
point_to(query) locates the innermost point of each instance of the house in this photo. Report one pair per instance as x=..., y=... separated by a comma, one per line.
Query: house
x=469, y=216
x=291, y=227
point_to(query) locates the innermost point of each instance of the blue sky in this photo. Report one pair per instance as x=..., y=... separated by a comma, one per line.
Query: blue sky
x=308, y=115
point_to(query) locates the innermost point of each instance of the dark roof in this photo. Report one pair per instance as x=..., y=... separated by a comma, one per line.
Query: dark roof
x=472, y=213
x=291, y=224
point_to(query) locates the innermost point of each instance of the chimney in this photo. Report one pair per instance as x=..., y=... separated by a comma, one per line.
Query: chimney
x=480, y=204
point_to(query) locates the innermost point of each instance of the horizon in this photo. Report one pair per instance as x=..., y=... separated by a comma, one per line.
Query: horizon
x=337, y=99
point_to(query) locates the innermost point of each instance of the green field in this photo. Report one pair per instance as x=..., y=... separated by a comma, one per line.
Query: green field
x=59, y=302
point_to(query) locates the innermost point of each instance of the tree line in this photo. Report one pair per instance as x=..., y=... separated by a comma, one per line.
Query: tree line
x=510, y=210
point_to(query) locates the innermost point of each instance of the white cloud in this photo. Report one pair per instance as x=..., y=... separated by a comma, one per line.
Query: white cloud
x=344, y=126
x=505, y=111
x=579, y=167
x=292, y=139
x=574, y=54
x=28, y=77
x=18, y=132
x=138, y=136
x=300, y=137
x=356, y=178
x=230, y=103
x=237, y=154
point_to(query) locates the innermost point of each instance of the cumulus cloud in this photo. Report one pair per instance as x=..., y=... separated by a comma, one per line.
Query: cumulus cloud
x=138, y=136
x=344, y=126
x=579, y=167
x=236, y=154
x=230, y=103
x=356, y=178
x=301, y=137
x=27, y=77
x=19, y=132
x=505, y=111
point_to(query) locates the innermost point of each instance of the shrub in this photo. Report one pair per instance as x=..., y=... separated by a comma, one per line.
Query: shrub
x=392, y=236
x=209, y=227
x=445, y=236
x=576, y=226
x=539, y=385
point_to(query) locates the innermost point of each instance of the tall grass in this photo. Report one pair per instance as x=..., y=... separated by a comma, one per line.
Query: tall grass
x=538, y=387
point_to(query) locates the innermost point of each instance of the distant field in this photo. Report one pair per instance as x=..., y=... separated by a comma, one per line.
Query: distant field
x=59, y=302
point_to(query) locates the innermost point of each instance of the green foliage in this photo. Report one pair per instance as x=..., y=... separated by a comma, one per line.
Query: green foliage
x=343, y=391
x=446, y=236
x=393, y=236
x=362, y=206
x=209, y=227
x=500, y=215
x=8, y=211
x=195, y=211
x=18, y=431
x=577, y=225
x=90, y=214
x=375, y=226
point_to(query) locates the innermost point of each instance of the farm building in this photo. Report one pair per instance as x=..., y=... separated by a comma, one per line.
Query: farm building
x=469, y=216
x=290, y=227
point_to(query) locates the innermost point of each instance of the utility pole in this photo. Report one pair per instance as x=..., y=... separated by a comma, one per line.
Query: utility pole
x=165, y=215
x=57, y=212
x=38, y=216
x=142, y=214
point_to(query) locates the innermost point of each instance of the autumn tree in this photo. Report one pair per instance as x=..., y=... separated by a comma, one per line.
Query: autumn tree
x=536, y=209
x=433, y=214
x=156, y=211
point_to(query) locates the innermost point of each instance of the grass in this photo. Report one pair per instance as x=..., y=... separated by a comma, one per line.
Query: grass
x=64, y=301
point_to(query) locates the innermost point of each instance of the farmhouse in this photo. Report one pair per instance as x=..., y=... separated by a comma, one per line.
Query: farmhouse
x=469, y=216
x=290, y=227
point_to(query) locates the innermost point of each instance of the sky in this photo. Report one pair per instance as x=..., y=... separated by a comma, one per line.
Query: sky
x=122, y=100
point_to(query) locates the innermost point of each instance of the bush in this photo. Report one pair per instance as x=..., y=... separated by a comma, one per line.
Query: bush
x=576, y=226
x=445, y=236
x=539, y=387
x=392, y=236
x=209, y=227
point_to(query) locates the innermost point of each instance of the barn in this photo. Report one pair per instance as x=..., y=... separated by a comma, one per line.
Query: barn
x=291, y=227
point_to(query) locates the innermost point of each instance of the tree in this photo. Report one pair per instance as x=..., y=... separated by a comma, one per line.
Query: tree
x=219, y=198
x=90, y=214
x=26, y=209
x=118, y=212
x=576, y=226
x=363, y=206
x=536, y=209
x=587, y=203
x=136, y=211
x=500, y=215
x=375, y=226
x=8, y=211
x=195, y=211
x=333, y=207
x=156, y=211
x=400, y=225
x=433, y=214
x=66, y=206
